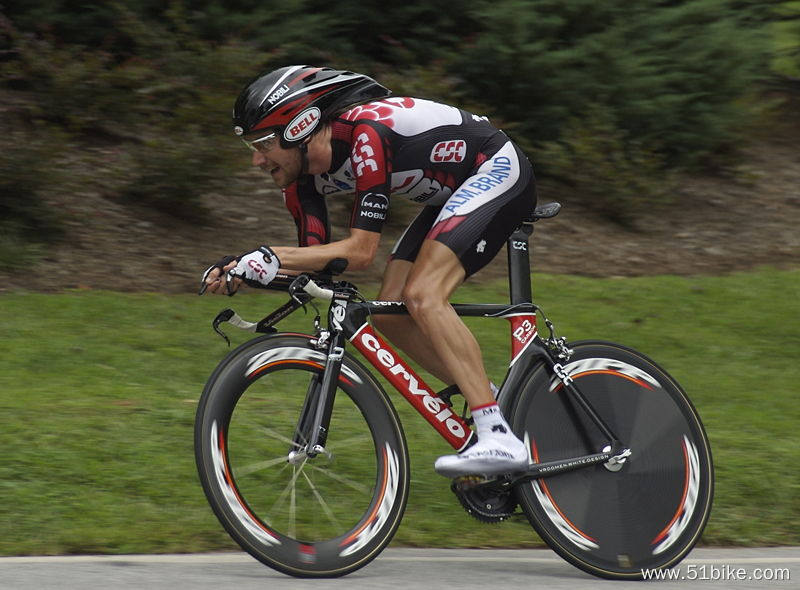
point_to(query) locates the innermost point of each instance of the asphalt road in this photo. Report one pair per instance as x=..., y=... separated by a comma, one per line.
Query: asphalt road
x=777, y=567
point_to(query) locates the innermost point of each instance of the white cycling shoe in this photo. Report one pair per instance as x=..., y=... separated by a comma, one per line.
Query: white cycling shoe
x=493, y=454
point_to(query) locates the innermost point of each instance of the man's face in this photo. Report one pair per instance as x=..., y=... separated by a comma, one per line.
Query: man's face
x=284, y=165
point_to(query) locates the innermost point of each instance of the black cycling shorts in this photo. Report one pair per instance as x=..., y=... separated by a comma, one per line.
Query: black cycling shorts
x=480, y=215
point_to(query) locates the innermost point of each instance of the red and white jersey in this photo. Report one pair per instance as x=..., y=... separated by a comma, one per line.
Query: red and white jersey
x=400, y=147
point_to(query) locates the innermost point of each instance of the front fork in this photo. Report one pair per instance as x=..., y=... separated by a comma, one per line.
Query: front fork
x=311, y=434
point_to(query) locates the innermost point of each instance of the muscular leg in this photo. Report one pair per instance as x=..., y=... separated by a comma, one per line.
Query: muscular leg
x=431, y=280
x=439, y=340
x=437, y=271
x=402, y=330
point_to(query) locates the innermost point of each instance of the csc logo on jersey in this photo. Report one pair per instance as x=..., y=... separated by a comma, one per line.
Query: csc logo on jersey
x=449, y=151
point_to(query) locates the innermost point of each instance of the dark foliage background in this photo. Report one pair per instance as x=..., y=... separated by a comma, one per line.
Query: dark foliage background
x=132, y=98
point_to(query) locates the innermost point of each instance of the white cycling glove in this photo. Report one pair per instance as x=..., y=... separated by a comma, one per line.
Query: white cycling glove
x=256, y=269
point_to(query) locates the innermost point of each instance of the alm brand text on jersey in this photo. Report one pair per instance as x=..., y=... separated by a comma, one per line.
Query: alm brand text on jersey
x=495, y=176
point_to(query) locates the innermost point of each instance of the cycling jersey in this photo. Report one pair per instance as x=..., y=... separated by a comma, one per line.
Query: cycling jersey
x=475, y=184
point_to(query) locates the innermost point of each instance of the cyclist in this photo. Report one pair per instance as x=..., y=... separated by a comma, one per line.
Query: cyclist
x=320, y=133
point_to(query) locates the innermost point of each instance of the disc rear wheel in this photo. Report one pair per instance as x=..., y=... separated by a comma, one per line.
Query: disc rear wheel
x=649, y=512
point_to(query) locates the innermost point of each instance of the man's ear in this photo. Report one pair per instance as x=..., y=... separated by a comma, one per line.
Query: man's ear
x=318, y=131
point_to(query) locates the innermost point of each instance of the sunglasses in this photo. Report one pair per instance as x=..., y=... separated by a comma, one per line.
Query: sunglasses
x=262, y=144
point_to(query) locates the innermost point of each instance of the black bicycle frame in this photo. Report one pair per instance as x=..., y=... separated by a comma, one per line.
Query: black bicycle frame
x=347, y=317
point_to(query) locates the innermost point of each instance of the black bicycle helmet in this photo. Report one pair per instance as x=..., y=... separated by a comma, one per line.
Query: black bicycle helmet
x=293, y=100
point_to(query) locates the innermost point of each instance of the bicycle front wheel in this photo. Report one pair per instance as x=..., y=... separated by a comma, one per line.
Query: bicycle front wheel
x=319, y=516
x=649, y=513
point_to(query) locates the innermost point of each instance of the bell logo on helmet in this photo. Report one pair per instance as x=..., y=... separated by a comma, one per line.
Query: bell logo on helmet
x=302, y=125
x=238, y=130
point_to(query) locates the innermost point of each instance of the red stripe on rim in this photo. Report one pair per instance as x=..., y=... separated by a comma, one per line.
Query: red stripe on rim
x=681, y=506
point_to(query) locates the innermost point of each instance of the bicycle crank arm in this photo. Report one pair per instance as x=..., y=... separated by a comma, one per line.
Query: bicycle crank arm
x=548, y=468
x=613, y=460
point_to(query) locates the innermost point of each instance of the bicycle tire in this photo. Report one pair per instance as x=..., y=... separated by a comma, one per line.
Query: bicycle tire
x=650, y=513
x=325, y=516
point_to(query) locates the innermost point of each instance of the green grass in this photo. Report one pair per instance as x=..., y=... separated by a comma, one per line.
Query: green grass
x=98, y=392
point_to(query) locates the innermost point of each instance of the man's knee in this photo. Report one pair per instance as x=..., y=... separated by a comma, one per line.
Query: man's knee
x=420, y=298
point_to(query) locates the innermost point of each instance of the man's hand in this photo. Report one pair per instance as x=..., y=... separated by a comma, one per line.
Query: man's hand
x=256, y=269
x=215, y=278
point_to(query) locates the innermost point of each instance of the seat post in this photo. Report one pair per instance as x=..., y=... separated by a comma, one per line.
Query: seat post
x=519, y=264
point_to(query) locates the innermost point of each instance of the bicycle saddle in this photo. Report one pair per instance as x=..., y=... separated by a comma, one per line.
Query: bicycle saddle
x=545, y=211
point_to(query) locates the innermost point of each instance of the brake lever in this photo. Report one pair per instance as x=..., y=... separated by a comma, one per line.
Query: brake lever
x=297, y=285
x=223, y=316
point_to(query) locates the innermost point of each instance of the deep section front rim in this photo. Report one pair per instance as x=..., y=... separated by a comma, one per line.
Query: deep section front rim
x=322, y=516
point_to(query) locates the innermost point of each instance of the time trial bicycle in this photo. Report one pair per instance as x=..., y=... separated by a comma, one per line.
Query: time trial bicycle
x=304, y=461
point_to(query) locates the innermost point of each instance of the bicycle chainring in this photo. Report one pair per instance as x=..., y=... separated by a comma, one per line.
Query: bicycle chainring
x=483, y=502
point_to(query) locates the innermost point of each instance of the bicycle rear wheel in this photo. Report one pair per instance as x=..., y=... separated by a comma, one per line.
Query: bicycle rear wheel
x=648, y=514
x=319, y=516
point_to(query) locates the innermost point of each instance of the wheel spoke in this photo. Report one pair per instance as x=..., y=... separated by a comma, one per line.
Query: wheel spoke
x=348, y=443
x=293, y=505
x=278, y=436
x=359, y=487
x=289, y=491
x=259, y=466
x=325, y=508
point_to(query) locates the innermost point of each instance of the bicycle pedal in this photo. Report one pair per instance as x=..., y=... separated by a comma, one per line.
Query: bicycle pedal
x=468, y=482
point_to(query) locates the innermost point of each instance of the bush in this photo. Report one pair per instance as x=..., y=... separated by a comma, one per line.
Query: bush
x=167, y=113
x=676, y=73
x=27, y=223
x=786, y=35
x=608, y=94
x=607, y=170
x=78, y=90
x=173, y=173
